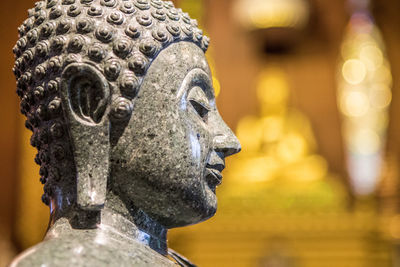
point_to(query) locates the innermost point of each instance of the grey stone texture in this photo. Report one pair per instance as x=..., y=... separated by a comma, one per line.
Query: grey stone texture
x=119, y=97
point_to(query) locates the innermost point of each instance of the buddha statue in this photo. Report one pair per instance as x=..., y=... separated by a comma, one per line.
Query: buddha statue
x=119, y=97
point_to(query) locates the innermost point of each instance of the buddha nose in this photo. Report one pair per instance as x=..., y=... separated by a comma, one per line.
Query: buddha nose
x=225, y=141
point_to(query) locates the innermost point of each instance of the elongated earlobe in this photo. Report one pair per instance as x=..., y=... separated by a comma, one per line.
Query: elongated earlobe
x=86, y=96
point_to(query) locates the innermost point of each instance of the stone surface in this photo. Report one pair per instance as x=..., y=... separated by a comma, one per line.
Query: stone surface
x=119, y=97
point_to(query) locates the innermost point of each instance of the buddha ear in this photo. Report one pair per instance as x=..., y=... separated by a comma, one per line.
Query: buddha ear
x=85, y=95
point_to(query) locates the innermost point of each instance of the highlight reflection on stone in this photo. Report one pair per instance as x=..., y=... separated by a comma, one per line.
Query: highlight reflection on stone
x=119, y=97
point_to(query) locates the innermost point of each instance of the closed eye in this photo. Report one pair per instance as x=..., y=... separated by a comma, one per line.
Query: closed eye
x=201, y=110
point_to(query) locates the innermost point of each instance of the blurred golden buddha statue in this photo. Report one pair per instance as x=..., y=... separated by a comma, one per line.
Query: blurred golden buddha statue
x=278, y=146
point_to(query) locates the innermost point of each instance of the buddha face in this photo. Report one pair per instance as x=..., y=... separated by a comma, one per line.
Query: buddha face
x=169, y=157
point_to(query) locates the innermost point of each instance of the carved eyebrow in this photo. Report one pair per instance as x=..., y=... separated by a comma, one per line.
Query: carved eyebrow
x=196, y=77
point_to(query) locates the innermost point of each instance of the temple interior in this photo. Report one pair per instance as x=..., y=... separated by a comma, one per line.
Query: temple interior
x=311, y=88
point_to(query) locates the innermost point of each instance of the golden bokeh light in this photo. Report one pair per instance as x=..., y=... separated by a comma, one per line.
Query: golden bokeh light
x=383, y=75
x=364, y=142
x=371, y=56
x=354, y=71
x=380, y=96
x=263, y=14
x=364, y=97
x=354, y=103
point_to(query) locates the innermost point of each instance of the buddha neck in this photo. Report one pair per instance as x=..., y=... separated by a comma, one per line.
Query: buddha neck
x=132, y=222
x=115, y=219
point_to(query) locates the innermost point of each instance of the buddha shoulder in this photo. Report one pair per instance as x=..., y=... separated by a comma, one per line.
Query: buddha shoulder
x=89, y=250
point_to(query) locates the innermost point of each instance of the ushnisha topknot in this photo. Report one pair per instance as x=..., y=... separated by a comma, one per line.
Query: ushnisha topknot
x=120, y=38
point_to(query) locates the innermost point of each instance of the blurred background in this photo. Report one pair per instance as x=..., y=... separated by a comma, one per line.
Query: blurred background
x=311, y=88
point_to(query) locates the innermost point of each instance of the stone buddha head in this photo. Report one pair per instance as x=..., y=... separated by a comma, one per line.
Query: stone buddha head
x=119, y=97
